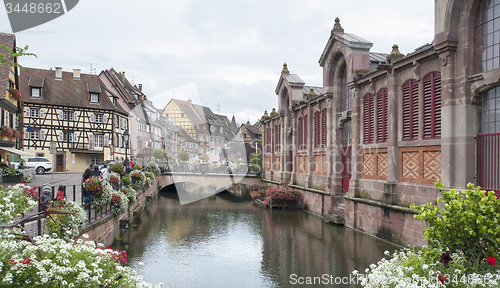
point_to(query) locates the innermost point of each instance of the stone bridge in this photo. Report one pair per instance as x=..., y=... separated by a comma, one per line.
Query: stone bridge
x=207, y=184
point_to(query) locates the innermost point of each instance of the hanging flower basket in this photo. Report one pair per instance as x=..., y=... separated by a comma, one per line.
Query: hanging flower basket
x=7, y=132
x=15, y=94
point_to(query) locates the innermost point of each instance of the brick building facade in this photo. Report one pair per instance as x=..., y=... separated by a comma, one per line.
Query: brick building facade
x=383, y=128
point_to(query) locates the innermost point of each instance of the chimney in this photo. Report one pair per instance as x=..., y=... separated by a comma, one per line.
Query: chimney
x=76, y=74
x=140, y=87
x=190, y=102
x=123, y=74
x=59, y=73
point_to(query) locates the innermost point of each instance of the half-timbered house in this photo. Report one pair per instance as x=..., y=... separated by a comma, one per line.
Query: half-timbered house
x=9, y=102
x=74, y=112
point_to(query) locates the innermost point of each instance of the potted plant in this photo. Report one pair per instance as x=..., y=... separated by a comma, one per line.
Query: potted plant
x=11, y=175
x=15, y=93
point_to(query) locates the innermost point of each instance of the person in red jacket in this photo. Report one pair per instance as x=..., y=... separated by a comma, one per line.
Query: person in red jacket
x=61, y=194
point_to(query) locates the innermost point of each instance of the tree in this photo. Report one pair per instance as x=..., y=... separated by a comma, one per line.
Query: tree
x=204, y=157
x=8, y=56
x=184, y=156
x=159, y=154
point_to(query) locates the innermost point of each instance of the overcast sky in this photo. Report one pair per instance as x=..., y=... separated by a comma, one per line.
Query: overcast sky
x=229, y=52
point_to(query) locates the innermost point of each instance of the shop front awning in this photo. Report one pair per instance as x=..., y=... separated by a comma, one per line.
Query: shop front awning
x=17, y=151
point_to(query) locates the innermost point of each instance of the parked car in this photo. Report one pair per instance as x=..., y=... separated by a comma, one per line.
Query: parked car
x=41, y=164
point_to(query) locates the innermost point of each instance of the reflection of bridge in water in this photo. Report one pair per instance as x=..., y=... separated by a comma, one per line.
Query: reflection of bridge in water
x=206, y=184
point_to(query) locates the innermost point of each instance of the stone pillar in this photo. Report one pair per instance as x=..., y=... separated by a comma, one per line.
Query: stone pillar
x=390, y=187
x=310, y=145
x=294, y=148
x=356, y=164
x=458, y=127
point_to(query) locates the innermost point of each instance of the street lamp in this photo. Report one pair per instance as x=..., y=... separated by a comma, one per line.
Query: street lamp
x=126, y=137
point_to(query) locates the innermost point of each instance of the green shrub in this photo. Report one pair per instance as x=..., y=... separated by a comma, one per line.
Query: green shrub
x=136, y=167
x=117, y=168
x=469, y=223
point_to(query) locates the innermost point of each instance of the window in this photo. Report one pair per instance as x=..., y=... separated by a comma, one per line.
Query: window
x=486, y=36
x=277, y=137
x=117, y=121
x=40, y=155
x=98, y=118
x=65, y=115
x=98, y=142
x=301, y=139
x=35, y=135
x=268, y=140
x=368, y=119
x=432, y=106
x=35, y=113
x=94, y=97
x=382, y=115
x=71, y=116
x=94, y=160
x=489, y=112
x=345, y=95
x=36, y=92
x=65, y=137
x=323, y=128
x=410, y=110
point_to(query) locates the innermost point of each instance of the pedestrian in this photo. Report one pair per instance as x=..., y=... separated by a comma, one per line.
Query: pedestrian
x=61, y=194
x=86, y=175
x=105, y=172
x=96, y=172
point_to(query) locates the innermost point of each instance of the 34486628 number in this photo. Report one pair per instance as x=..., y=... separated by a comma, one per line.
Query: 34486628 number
x=33, y=8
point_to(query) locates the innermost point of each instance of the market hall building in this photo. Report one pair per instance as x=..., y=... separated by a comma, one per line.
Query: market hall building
x=384, y=127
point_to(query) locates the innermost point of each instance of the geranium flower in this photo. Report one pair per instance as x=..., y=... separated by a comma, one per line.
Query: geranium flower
x=446, y=259
x=491, y=260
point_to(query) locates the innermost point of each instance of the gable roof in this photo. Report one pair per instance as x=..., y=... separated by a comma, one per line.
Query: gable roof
x=66, y=91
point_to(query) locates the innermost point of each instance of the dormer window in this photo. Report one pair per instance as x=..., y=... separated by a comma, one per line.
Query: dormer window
x=36, y=92
x=36, y=85
x=94, y=98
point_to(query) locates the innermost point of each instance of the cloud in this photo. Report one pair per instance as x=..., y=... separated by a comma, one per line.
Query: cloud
x=232, y=51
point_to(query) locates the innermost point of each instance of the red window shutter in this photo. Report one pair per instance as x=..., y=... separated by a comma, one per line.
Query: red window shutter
x=410, y=110
x=432, y=106
x=368, y=119
x=300, y=133
x=317, y=127
x=323, y=128
x=305, y=132
x=382, y=115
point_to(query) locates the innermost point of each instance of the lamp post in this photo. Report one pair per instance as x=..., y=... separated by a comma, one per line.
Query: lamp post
x=126, y=137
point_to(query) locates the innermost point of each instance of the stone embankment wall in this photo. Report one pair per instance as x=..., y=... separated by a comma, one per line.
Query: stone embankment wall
x=104, y=230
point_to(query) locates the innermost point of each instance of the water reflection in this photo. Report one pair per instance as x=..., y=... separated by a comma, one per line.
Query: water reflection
x=227, y=241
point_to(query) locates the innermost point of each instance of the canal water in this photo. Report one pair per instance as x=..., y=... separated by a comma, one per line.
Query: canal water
x=228, y=241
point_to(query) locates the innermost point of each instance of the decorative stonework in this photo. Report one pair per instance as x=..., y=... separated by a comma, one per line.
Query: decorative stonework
x=410, y=164
x=374, y=164
x=320, y=164
x=369, y=164
x=432, y=165
x=382, y=164
x=302, y=163
x=420, y=164
x=277, y=163
x=268, y=163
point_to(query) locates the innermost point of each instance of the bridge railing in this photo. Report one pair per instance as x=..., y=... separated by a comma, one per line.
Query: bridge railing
x=205, y=169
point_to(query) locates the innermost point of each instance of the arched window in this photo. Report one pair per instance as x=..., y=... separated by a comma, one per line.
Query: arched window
x=301, y=131
x=323, y=128
x=382, y=115
x=410, y=110
x=432, y=106
x=317, y=129
x=487, y=36
x=368, y=112
x=345, y=97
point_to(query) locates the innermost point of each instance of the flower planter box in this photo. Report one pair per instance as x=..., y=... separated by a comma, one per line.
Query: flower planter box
x=12, y=179
x=287, y=205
